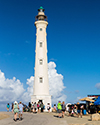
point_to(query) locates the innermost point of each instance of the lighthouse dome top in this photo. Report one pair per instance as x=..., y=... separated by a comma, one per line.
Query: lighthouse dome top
x=41, y=15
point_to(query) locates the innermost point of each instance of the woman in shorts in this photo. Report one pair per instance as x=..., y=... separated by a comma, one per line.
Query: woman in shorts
x=63, y=109
x=15, y=109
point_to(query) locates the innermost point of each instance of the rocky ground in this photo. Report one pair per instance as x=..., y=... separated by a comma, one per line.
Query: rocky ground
x=45, y=119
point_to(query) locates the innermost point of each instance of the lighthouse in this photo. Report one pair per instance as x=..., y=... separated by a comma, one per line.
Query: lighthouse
x=41, y=83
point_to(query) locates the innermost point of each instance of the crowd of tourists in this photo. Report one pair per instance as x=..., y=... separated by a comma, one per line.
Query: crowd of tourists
x=38, y=107
x=19, y=108
x=61, y=108
x=75, y=109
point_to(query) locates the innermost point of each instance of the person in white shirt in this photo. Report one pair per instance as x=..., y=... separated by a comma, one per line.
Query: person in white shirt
x=48, y=107
x=20, y=110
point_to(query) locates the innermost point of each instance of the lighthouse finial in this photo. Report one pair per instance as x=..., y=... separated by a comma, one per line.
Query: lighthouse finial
x=41, y=9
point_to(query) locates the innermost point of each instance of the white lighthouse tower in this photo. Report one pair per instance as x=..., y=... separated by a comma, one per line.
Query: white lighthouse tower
x=41, y=84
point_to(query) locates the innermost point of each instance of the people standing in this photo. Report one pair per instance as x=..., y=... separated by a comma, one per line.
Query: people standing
x=15, y=109
x=59, y=109
x=29, y=105
x=72, y=112
x=41, y=105
x=69, y=110
x=63, y=109
x=35, y=107
x=48, y=107
x=20, y=110
x=78, y=110
x=54, y=108
x=89, y=108
x=75, y=109
x=38, y=105
x=8, y=106
x=12, y=107
x=81, y=110
x=32, y=106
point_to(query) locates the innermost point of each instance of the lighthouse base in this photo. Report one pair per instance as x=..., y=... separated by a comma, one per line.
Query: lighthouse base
x=42, y=98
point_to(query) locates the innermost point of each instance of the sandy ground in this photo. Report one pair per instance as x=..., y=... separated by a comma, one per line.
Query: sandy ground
x=45, y=119
x=3, y=115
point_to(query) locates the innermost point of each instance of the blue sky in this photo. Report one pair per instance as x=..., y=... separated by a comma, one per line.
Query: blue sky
x=73, y=42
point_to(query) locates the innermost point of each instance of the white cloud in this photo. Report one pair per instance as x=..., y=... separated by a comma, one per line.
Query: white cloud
x=27, y=95
x=56, y=84
x=97, y=85
x=12, y=89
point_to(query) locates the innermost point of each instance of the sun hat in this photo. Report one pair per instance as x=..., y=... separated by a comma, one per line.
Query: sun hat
x=15, y=102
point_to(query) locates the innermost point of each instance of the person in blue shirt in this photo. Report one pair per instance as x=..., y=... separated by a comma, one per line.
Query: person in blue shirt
x=20, y=110
x=8, y=106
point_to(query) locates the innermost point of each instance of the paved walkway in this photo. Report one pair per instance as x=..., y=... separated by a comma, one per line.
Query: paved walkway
x=34, y=119
x=47, y=119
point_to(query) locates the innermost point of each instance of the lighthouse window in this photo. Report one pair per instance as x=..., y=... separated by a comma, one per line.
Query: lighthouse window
x=41, y=61
x=41, y=80
x=40, y=44
x=40, y=29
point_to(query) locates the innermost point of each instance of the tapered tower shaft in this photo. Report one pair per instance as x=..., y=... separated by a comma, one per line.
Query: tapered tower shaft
x=41, y=83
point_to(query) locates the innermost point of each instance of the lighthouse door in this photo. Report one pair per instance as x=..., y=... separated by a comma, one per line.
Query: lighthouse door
x=40, y=101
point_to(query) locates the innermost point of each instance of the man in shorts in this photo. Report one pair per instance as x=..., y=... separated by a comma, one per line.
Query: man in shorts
x=59, y=109
x=20, y=110
x=79, y=110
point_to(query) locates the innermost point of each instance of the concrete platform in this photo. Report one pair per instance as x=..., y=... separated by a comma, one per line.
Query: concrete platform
x=47, y=119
